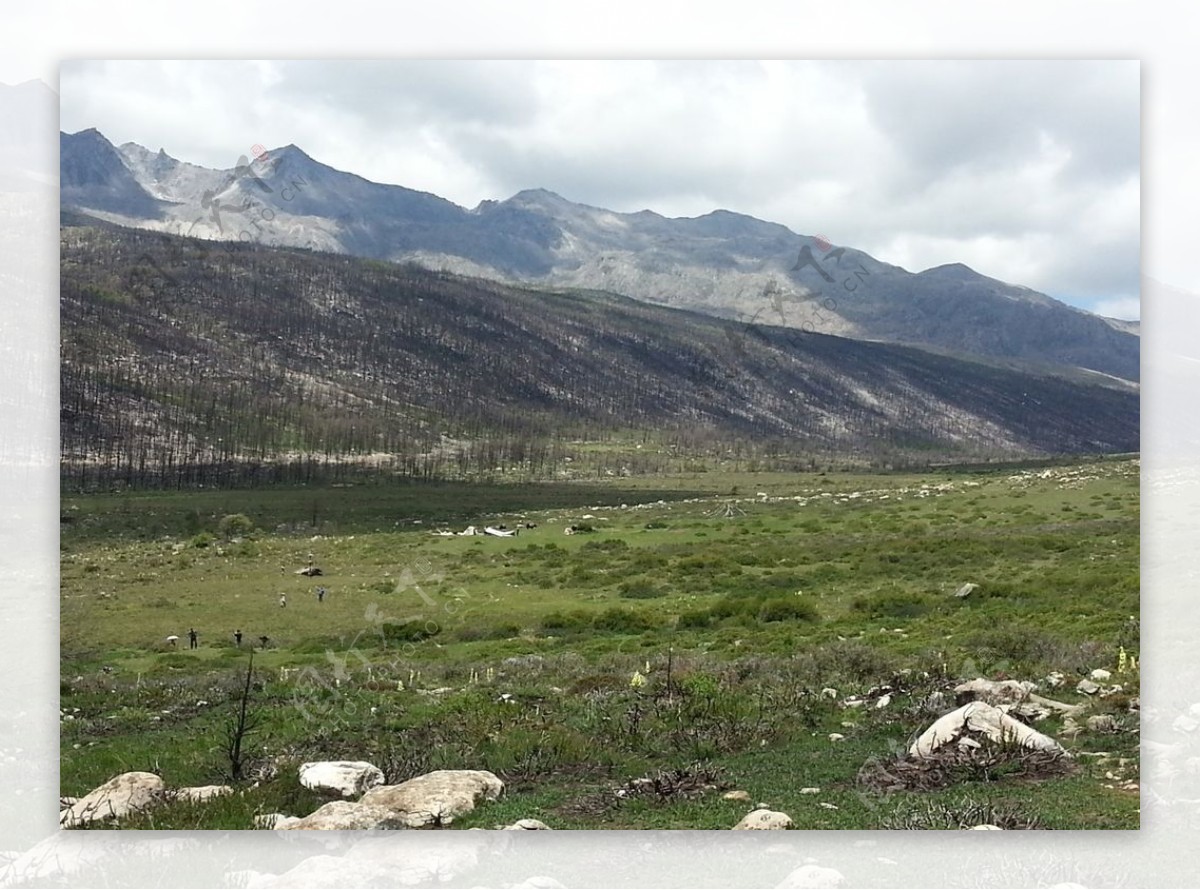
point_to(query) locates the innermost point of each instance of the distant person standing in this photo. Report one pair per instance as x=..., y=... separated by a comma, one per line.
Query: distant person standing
x=264, y=639
x=283, y=600
x=321, y=594
x=237, y=638
x=192, y=637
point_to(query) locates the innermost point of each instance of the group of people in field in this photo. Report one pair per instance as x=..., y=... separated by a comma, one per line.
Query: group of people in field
x=194, y=635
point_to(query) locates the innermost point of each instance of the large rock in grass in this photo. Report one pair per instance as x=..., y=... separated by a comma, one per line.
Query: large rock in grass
x=764, y=820
x=345, y=815
x=436, y=798
x=116, y=798
x=201, y=793
x=986, y=720
x=347, y=778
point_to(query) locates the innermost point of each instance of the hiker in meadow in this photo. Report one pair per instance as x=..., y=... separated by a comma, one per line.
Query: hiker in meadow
x=320, y=594
x=237, y=638
x=192, y=635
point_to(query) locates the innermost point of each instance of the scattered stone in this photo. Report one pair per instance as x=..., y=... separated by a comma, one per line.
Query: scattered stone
x=883, y=702
x=813, y=877
x=764, y=820
x=345, y=815
x=528, y=825
x=736, y=795
x=1102, y=723
x=1087, y=687
x=118, y=797
x=985, y=828
x=836, y=737
x=437, y=797
x=810, y=790
x=966, y=590
x=1100, y=675
x=348, y=778
x=1054, y=679
x=827, y=806
x=201, y=793
x=64, y=802
x=985, y=719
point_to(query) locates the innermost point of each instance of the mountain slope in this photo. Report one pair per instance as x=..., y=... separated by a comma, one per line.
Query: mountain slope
x=176, y=350
x=725, y=264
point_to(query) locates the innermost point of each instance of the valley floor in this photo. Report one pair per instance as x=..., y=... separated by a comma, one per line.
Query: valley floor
x=709, y=632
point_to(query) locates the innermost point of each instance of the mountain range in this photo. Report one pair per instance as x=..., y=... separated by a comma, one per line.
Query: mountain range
x=723, y=264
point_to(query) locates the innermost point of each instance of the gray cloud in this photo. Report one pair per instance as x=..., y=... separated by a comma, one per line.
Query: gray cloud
x=1027, y=171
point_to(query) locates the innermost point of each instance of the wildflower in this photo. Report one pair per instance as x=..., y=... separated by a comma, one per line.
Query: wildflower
x=638, y=680
x=1121, y=660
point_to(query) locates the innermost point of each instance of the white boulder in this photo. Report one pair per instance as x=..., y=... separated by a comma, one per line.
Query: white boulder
x=118, y=797
x=764, y=820
x=984, y=719
x=528, y=825
x=345, y=815
x=348, y=778
x=436, y=798
x=201, y=793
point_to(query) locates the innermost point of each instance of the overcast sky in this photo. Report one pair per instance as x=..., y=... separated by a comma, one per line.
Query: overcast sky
x=1025, y=171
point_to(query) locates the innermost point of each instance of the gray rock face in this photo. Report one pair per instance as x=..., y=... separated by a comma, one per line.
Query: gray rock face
x=764, y=820
x=435, y=798
x=348, y=778
x=118, y=797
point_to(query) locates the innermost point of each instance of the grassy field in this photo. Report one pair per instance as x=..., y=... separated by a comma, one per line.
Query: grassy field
x=686, y=634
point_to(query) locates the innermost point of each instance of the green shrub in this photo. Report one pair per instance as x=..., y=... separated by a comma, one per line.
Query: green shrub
x=640, y=589
x=602, y=546
x=892, y=605
x=202, y=540
x=235, y=525
x=787, y=609
x=566, y=622
x=622, y=621
x=694, y=619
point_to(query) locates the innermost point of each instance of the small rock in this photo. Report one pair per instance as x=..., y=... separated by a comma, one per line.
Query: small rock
x=985, y=828
x=836, y=737
x=764, y=820
x=1102, y=723
x=1087, y=687
x=810, y=790
x=528, y=825
x=1100, y=675
x=966, y=590
x=736, y=795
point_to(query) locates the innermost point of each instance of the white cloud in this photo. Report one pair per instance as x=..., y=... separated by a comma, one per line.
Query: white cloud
x=1027, y=171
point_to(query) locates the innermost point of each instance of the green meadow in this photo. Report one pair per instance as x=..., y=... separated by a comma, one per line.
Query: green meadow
x=700, y=632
